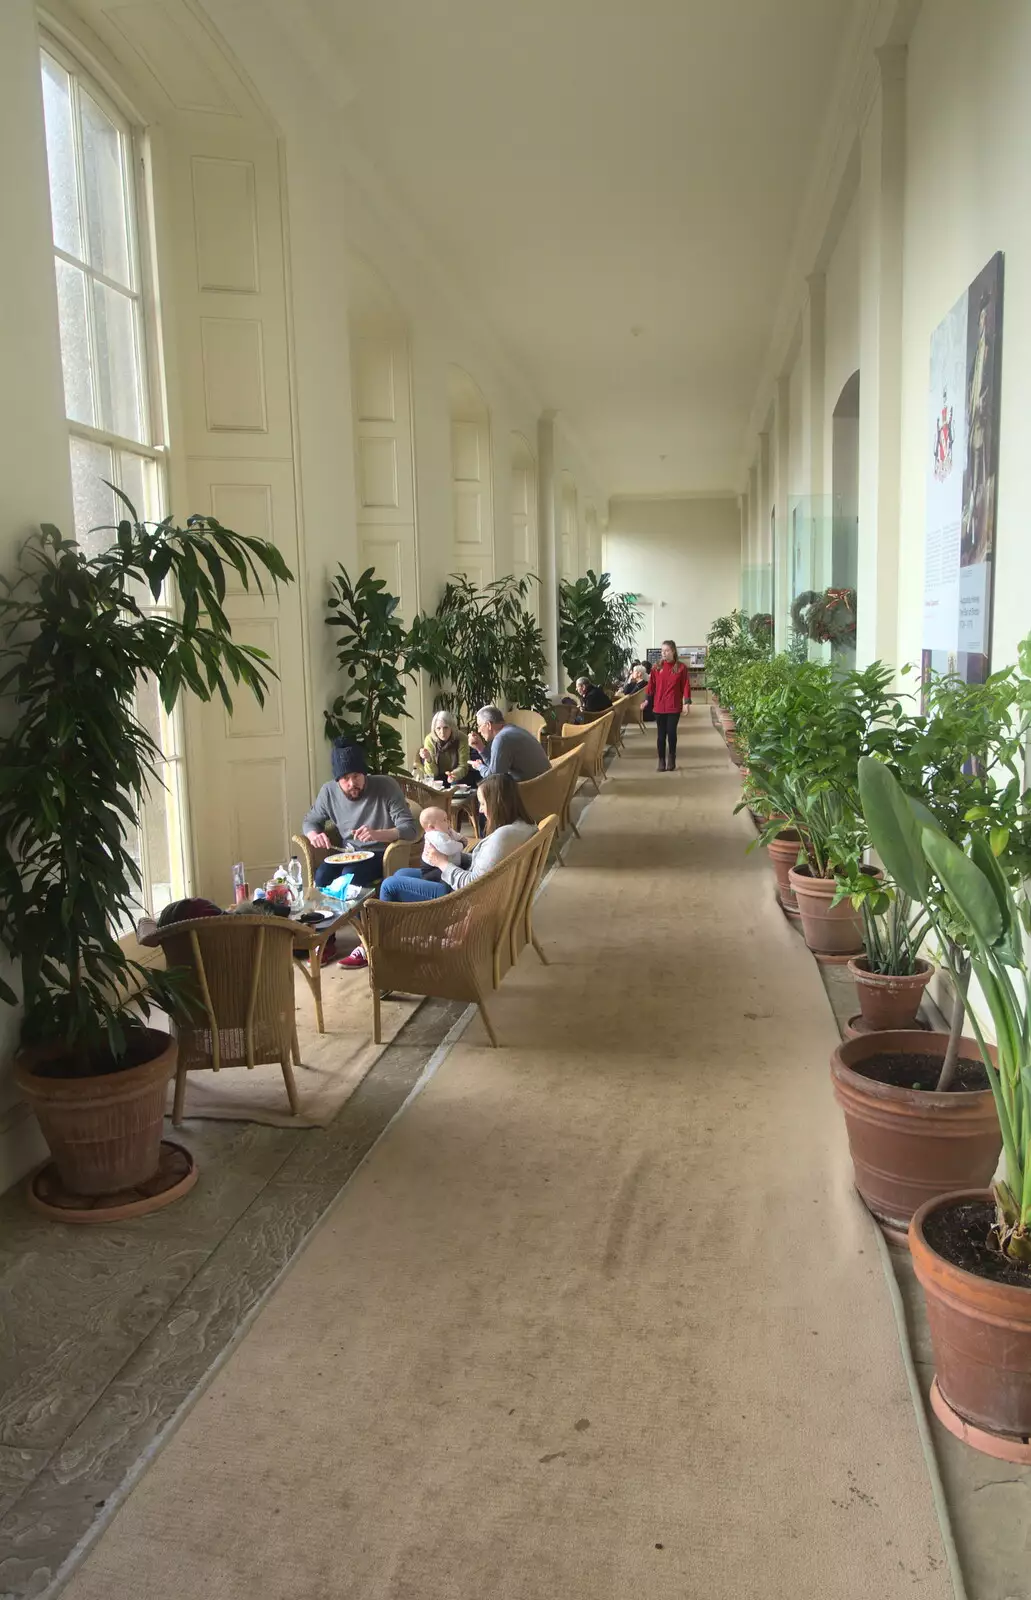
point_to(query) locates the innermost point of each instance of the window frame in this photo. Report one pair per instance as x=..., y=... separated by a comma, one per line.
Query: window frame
x=137, y=191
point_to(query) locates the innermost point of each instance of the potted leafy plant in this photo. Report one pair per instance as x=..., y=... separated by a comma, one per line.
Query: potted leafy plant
x=488, y=647
x=596, y=629
x=891, y=975
x=918, y=1109
x=972, y=1248
x=78, y=633
x=376, y=652
x=803, y=755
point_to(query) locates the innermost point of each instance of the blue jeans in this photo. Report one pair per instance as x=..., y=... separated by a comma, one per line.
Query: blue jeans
x=409, y=884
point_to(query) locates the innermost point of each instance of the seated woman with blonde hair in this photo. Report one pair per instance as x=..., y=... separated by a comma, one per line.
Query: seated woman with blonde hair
x=445, y=749
x=508, y=826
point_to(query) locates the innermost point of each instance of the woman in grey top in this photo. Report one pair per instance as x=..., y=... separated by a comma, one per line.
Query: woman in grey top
x=508, y=826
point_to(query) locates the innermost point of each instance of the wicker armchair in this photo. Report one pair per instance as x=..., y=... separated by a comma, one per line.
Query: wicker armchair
x=452, y=947
x=592, y=738
x=402, y=853
x=635, y=705
x=532, y=721
x=243, y=1010
x=519, y=930
x=552, y=792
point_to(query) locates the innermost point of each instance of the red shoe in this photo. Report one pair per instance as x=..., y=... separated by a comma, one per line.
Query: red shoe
x=357, y=958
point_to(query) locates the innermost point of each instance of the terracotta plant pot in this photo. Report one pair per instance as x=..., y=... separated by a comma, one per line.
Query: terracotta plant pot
x=104, y=1133
x=909, y=1145
x=981, y=1336
x=888, y=1001
x=829, y=930
x=783, y=853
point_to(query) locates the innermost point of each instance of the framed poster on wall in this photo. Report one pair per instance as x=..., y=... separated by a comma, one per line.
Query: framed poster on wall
x=962, y=480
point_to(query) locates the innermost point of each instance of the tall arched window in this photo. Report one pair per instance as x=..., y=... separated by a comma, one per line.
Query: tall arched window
x=113, y=400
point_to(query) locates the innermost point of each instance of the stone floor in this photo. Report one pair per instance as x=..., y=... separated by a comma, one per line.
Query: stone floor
x=107, y=1333
x=989, y=1501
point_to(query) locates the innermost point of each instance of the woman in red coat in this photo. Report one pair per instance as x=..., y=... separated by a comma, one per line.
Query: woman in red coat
x=668, y=688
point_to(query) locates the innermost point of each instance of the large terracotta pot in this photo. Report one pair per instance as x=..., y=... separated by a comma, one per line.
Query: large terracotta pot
x=104, y=1133
x=981, y=1336
x=783, y=853
x=909, y=1145
x=829, y=930
x=889, y=1001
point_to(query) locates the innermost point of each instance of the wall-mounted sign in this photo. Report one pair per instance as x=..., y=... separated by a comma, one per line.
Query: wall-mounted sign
x=962, y=480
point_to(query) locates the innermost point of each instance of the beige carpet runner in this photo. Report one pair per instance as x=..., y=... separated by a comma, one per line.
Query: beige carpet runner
x=600, y=1317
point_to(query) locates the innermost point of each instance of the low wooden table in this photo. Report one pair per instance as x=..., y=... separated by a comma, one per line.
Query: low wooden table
x=337, y=914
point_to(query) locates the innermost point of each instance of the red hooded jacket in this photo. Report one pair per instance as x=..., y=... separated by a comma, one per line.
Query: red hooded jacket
x=668, y=687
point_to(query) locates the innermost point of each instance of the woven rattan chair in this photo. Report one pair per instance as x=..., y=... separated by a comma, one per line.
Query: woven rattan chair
x=635, y=705
x=592, y=737
x=552, y=792
x=532, y=721
x=519, y=930
x=452, y=947
x=243, y=1010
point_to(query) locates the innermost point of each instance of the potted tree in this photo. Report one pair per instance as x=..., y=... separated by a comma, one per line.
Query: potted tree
x=487, y=647
x=596, y=629
x=78, y=633
x=376, y=652
x=972, y=1248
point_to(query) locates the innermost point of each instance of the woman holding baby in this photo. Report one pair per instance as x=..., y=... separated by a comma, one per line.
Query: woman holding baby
x=450, y=867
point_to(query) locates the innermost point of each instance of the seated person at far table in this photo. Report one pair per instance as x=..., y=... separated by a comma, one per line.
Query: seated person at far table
x=591, y=697
x=503, y=749
x=369, y=809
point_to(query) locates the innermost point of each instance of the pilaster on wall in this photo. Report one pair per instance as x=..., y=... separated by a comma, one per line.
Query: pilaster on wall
x=782, y=546
x=752, y=554
x=814, y=318
x=547, y=529
x=762, y=547
x=881, y=196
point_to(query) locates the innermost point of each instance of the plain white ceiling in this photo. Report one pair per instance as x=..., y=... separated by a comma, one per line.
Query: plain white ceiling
x=617, y=183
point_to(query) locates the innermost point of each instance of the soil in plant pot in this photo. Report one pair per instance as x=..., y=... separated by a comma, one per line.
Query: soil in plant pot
x=905, y=1070
x=140, y=1049
x=962, y=1235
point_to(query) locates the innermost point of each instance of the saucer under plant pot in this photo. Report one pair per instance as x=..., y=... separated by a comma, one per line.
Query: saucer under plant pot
x=979, y=1315
x=888, y=1000
x=909, y=1141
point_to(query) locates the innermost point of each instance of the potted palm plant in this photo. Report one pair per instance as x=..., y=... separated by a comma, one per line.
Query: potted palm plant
x=972, y=1248
x=78, y=633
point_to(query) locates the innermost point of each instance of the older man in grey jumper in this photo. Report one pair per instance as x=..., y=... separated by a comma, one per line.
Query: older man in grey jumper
x=370, y=809
x=502, y=747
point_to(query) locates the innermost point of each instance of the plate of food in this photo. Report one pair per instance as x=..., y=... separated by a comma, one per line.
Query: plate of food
x=347, y=858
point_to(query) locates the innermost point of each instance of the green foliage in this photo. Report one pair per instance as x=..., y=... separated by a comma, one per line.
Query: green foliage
x=804, y=743
x=973, y=887
x=376, y=653
x=732, y=643
x=596, y=629
x=78, y=634
x=488, y=647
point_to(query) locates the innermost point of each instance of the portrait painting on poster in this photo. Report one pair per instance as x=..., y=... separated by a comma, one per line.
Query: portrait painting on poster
x=962, y=480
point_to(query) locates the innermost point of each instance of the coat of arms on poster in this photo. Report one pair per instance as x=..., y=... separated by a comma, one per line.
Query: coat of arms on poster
x=962, y=483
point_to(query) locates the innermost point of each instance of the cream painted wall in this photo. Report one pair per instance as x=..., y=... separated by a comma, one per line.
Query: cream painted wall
x=968, y=131
x=682, y=556
x=842, y=327
x=35, y=481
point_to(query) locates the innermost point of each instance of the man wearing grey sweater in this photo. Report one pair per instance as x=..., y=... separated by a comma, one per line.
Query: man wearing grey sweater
x=502, y=747
x=371, y=810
